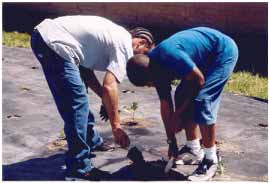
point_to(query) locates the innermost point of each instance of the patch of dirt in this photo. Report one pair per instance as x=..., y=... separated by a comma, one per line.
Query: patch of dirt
x=136, y=122
x=14, y=116
x=263, y=125
x=25, y=89
x=34, y=67
x=58, y=144
x=127, y=91
x=131, y=123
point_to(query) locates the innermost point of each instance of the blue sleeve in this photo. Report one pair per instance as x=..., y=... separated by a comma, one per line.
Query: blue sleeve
x=177, y=61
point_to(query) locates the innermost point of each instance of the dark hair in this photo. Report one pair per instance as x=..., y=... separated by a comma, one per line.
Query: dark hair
x=138, y=69
x=143, y=33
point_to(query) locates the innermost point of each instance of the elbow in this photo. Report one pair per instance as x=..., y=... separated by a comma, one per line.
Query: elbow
x=201, y=82
x=200, y=79
x=108, y=88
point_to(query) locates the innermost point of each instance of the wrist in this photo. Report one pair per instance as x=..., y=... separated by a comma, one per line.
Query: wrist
x=171, y=140
x=115, y=126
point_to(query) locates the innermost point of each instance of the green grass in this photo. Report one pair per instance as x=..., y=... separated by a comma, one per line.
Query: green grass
x=243, y=83
x=15, y=39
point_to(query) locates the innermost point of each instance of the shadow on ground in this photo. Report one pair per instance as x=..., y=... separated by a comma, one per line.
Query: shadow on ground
x=52, y=168
x=48, y=168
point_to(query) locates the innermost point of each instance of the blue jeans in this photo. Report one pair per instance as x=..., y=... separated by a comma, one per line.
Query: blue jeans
x=206, y=103
x=71, y=99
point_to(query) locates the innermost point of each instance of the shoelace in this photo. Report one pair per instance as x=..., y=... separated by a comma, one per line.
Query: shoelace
x=203, y=167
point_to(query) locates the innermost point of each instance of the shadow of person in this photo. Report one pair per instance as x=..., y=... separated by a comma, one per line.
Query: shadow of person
x=45, y=168
x=50, y=168
x=149, y=171
x=141, y=170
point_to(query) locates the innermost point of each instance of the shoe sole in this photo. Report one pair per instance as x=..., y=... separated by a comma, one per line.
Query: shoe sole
x=208, y=178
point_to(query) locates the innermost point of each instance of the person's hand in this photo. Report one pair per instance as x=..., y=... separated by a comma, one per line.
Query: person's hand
x=120, y=137
x=172, y=148
x=103, y=113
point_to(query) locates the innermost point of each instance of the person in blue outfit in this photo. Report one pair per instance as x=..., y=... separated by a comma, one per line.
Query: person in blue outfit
x=71, y=47
x=203, y=58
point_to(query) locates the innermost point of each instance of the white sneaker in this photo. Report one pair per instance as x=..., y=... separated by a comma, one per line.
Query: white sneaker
x=205, y=171
x=186, y=156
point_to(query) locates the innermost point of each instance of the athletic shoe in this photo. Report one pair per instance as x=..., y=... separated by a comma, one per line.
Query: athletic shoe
x=94, y=175
x=205, y=171
x=186, y=156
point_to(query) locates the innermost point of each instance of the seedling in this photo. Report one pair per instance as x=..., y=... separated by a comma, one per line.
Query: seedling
x=132, y=108
x=220, y=170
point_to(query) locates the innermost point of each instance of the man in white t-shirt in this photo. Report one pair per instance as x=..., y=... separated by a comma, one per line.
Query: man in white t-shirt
x=92, y=43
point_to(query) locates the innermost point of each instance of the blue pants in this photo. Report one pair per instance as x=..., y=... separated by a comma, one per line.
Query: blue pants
x=206, y=104
x=71, y=99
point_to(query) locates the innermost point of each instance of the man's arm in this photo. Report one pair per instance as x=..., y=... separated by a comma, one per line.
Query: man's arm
x=197, y=76
x=167, y=114
x=166, y=107
x=110, y=100
x=194, y=82
x=109, y=95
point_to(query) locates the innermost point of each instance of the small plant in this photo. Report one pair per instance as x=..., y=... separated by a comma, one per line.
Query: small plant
x=220, y=169
x=132, y=108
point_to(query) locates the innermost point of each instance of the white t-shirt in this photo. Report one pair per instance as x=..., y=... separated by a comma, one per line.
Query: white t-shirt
x=94, y=42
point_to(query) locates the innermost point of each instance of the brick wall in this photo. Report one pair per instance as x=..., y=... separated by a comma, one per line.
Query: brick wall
x=247, y=23
x=229, y=17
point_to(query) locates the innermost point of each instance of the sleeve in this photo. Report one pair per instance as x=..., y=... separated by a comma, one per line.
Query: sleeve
x=162, y=85
x=117, y=63
x=163, y=90
x=178, y=61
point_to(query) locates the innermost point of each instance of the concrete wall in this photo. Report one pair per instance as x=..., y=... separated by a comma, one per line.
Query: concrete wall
x=247, y=23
